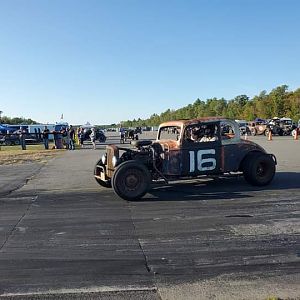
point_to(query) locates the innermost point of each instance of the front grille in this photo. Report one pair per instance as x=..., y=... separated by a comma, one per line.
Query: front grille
x=110, y=154
x=111, y=151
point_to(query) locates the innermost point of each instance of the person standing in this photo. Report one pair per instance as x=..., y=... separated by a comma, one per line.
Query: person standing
x=65, y=137
x=58, y=138
x=122, y=135
x=71, y=133
x=46, y=137
x=81, y=137
x=55, y=137
x=22, y=138
x=93, y=138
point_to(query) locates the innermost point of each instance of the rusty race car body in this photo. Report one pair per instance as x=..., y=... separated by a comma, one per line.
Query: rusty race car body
x=258, y=127
x=184, y=149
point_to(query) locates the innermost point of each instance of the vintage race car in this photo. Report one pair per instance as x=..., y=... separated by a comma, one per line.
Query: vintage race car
x=183, y=149
x=258, y=127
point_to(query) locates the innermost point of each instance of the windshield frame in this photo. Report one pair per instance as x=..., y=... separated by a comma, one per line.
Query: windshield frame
x=176, y=135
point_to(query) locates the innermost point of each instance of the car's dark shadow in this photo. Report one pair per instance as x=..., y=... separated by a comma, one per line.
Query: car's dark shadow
x=224, y=188
x=218, y=188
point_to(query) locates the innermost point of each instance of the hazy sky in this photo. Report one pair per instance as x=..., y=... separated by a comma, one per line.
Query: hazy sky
x=107, y=61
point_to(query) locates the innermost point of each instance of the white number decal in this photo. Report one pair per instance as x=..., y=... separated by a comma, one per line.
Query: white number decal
x=210, y=162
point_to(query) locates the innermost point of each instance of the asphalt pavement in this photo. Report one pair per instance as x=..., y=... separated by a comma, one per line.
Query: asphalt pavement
x=13, y=177
x=62, y=236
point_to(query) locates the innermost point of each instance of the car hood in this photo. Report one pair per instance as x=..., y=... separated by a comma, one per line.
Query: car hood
x=170, y=144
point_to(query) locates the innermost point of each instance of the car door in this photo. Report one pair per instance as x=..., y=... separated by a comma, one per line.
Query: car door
x=201, y=157
x=169, y=139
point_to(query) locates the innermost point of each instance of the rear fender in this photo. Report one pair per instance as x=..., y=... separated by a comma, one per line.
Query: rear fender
x=234, y=154
x=252, y=153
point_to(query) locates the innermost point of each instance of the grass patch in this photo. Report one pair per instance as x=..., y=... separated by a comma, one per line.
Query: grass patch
x=33, y=153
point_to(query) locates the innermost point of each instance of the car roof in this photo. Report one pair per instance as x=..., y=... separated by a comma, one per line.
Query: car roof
x=192, y=121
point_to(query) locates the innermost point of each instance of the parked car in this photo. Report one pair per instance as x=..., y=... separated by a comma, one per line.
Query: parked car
x=183, y=150
x=100, y=136
x=277, y=126
x=257, y=127
x=128, y=134
x=243, y=126
x=9, y=139
x=287, y=125
x=138, y=130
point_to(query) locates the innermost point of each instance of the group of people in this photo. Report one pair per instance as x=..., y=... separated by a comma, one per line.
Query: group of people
x=83, y=135
x=65, y=137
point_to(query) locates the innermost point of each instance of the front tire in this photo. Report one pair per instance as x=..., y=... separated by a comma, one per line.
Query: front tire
x=131, y=180
x=259, y=169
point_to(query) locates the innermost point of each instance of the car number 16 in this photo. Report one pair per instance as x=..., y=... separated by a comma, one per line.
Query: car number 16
x=202, y=164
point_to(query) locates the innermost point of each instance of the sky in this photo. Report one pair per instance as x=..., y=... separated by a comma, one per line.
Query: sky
x=104, y=61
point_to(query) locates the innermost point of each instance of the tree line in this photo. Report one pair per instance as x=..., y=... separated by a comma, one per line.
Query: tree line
x=280, y=102
x=16, y=121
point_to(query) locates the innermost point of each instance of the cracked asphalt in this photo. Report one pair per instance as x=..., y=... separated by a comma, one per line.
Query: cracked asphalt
x=62, y=236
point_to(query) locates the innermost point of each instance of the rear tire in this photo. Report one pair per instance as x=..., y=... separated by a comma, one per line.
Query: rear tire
x=259, y=169
x=131, y=180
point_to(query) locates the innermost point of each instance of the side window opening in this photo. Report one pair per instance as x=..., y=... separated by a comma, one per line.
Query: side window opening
x=227, y=131
x=199, y=133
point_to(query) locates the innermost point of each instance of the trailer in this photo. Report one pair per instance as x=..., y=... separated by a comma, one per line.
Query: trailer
x=37, y=129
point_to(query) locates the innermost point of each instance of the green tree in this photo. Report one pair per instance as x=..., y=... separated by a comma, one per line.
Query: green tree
x=279, y=102
x=277, y=99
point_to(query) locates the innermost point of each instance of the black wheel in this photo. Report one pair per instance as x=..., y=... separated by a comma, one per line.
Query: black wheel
x=106, y=184
x=17, y=142
x=102, y=138
x=8, y=143
x=259, y=169
x=131, y=180
x=288, y=132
